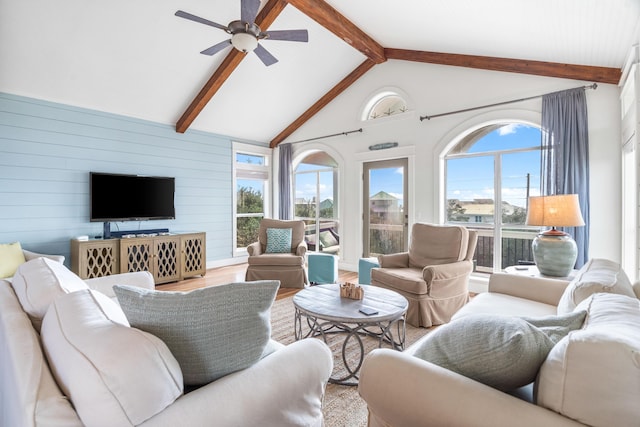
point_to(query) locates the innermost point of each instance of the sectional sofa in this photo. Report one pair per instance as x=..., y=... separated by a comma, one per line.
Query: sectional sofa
x=69, y=358
x=591, y=376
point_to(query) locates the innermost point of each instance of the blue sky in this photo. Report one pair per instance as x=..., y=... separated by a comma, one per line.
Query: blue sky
x=473, y=178
x=468, y=179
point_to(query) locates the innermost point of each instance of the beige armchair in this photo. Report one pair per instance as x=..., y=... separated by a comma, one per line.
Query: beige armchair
x=288, y=267
x=433, y=275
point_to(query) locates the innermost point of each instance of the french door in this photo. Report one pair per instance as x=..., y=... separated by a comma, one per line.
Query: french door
x=385, y=207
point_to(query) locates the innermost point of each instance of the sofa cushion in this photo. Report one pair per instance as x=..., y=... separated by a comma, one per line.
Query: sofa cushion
x=211, y=331
x=113, y=374
x=497, y=303
x=39, y=281
x=500, y=351
x=278, y=240
x=593, y=375
x=11, y=257
x=597, y=275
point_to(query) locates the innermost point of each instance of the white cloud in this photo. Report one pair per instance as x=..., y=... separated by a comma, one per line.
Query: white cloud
x=308, y=192
x=508, y=129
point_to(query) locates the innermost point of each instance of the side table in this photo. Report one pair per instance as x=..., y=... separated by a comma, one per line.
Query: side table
x=532, y=271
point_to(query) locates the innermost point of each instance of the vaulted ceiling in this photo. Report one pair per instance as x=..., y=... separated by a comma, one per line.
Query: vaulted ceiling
x=138, y=59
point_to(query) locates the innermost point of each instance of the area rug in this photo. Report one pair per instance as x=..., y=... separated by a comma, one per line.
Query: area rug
x=343, y=406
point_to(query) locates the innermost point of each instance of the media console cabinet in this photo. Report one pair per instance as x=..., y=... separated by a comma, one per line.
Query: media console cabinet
x=169, y=257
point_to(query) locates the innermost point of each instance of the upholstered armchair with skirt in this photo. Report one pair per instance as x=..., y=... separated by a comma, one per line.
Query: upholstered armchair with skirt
x=279, y=253
x=433, y=275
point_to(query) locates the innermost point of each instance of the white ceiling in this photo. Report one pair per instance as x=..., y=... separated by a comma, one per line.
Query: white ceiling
x=137, y=59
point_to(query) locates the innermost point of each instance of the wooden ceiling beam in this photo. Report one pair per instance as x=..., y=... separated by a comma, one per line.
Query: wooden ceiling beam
x=538, y=68
x=322, y=102
x=265, y=18
x=335, y=22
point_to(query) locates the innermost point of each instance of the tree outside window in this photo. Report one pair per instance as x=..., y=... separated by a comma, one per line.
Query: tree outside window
x=252, y=179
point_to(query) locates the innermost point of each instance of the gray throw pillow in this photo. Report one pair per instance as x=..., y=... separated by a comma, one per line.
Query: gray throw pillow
x=500, y=351
x=212, y=331
x=557, y=327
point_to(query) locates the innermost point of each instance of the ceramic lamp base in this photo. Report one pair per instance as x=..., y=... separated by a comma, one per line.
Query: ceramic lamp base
x=555, y=253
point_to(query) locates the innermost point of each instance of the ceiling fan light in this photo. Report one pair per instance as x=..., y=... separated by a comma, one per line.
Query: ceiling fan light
x=244, y=42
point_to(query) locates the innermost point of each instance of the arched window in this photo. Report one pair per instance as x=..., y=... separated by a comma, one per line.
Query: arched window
x=316, y=201
x=385, y=103
x=490, y=173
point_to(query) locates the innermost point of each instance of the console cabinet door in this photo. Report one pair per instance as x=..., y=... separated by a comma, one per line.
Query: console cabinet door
x=136, y=255
x=94, y=258
x=166, y=259
x=194, y=256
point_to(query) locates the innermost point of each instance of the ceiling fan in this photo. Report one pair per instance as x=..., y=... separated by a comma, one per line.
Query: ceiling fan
x=245, y=34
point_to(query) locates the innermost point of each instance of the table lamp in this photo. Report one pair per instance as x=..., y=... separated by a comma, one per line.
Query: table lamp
x=554, y=251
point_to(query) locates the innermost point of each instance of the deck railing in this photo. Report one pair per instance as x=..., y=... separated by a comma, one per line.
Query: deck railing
x=516, y=244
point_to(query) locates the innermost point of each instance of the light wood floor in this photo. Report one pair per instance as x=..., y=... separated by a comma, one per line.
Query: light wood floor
x=235, y=273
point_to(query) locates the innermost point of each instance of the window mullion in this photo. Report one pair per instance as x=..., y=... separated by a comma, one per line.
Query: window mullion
x=497, y=213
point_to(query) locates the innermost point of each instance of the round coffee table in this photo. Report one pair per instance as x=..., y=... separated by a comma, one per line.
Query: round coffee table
x=325, y=312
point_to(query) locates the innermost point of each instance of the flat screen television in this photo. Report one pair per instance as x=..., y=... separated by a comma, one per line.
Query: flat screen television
x=116, y=197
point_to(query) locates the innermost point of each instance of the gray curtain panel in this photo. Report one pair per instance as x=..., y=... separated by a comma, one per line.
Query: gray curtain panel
x=565, y=156
x=284, y=181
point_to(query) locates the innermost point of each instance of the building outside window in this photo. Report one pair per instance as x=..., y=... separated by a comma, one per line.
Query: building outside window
x=490, y=174
x=252, y=180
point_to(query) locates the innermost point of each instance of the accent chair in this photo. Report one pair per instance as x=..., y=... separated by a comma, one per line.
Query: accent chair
x=433, y=275
x=279, y=253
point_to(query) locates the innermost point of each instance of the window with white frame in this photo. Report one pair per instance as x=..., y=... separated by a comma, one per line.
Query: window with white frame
x=490, y=173
x=252, y=181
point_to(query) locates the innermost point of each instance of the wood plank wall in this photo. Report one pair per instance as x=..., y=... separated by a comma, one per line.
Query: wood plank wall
x=47, y=151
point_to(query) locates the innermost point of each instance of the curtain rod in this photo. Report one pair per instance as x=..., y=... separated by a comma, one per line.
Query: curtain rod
x=328, y=136
x=593, y=86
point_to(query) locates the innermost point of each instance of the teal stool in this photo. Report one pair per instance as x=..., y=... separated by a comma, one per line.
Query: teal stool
x=364, y=269
x=323, y=268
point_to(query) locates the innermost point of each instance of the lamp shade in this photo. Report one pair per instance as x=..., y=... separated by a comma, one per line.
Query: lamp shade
x=562, y=210
x=554, y=251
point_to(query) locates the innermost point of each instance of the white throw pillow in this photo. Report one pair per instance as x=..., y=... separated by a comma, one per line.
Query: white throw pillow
x=597, y=275
x=39, y=281
x=212, y=331
x=593, y=375
x=113, y=374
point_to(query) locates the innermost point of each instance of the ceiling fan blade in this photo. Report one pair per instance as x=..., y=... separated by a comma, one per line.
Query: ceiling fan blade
x=264, y=55
x=249, y=10
x=288, y=35
x=216, y=48
x=187, y=15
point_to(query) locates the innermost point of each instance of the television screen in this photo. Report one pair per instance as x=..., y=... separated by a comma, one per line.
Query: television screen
x=117, y=197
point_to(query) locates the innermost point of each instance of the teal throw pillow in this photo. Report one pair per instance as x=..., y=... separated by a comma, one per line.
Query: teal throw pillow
x=211, y=331
x=278, y=240
x=500, y=351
